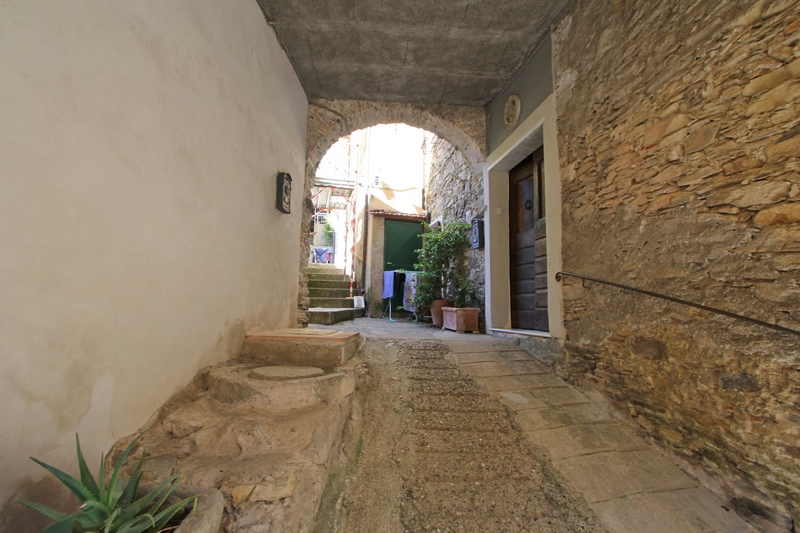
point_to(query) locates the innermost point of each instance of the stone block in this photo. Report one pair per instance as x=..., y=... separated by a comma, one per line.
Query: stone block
x=488, y=370
x=780, y=214
x=688, y=511
x=670, y=173
x=312, y=347
x=242, y=385
x=743, y=163
x=543, y=349
x=665, y=127
x=558, y=396
x=776, y=97
x=607, y=475
x=773, y=79
x=698, y=176
x=480, y=357
x=528, y=367
x=584, y=439
x=755, y=194
x=701, y=138
x=788, y=148
x=505, y=383
x=556, y=417
x=520, y=400
x=542, y=381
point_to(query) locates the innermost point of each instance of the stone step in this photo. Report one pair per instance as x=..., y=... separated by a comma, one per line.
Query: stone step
x=275, y=388
x=323, y=266
x=328, y=317
x=334, y=303
x=305, y=347
x=322, y=284
x=315, y=292
x=318, y=270
x=327, y=277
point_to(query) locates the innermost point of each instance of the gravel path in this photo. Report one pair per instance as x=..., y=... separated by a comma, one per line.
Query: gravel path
x=440, y=453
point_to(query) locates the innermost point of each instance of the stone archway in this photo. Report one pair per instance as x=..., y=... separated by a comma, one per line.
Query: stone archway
x=329, y=120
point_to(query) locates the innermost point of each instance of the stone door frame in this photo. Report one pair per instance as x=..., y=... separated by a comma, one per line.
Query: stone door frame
x=538, y=129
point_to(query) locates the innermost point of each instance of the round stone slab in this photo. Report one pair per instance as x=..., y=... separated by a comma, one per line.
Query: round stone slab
x=271, y=373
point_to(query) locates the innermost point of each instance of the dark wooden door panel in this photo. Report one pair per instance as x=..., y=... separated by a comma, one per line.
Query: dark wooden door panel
x=530, y=319
x=524, y=286
x=525, y=256
x=528, y=244
x=524, y=302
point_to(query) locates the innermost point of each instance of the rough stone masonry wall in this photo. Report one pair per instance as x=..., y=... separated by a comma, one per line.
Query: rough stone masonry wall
x=679, y=136
x=455, y=187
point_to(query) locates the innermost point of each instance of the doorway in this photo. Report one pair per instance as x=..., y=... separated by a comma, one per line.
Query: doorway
x=528, y=244
x=400, y=242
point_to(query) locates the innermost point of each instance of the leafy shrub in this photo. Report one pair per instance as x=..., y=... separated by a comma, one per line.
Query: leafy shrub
x=437, y=260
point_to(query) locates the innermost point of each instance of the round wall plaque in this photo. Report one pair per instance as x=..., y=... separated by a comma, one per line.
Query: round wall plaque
x=511, y=111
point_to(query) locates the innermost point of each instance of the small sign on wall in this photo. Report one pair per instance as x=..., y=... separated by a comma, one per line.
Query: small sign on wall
x=283, y=201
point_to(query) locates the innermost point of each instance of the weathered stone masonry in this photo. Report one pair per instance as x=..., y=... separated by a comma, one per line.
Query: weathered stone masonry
x=679, y=136
x=455, y=188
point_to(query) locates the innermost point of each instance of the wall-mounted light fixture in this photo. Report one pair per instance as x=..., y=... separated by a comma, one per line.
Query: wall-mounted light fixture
x=283, y=202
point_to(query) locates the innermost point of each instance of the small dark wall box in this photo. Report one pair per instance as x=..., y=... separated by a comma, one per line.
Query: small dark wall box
x=283, y=202
x=476, y=238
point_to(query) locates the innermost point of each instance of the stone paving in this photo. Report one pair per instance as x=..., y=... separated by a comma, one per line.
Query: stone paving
x=629, y=486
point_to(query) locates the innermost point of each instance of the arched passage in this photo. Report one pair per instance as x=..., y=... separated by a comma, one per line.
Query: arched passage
x=329, y=120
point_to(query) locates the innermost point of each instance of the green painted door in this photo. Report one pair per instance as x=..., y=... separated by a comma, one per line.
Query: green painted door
x=400, y=242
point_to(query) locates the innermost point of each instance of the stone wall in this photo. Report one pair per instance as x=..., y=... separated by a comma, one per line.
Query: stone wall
x=455, y=189
x=679, y=136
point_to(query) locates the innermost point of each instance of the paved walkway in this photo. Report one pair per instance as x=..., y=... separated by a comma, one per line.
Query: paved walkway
x=629, y=486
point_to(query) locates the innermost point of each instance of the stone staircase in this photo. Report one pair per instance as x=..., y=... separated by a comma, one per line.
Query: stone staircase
x=329, y=296
x=265, y=429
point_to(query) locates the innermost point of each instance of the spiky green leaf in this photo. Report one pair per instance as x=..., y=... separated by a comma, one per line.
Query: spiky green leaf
x=114, y=491
x=101, y=478
x=139, y=524
x=164, y=495
x=133, y=483
x=166, y=515
x=145, y=501
x=50, y=513
x=63, y=526
x=93, y=515
x=75, y=486
x=86, y=476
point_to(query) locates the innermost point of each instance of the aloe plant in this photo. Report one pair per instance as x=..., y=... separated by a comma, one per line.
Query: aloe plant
x=111, y=507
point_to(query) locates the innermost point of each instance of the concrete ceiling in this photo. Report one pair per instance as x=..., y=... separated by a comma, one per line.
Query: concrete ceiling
x=459, y=52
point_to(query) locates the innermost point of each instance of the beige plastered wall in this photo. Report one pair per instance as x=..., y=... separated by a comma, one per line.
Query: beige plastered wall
x=139, y=238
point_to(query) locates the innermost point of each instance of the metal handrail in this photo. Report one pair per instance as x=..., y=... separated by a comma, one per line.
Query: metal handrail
x=776, y=327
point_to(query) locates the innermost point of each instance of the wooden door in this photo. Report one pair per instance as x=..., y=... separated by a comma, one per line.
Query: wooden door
x=528, y=243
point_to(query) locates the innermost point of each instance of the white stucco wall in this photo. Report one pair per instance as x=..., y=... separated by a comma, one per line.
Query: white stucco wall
x=139, y=239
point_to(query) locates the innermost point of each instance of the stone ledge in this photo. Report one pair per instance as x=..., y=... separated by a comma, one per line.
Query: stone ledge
x=308, y=347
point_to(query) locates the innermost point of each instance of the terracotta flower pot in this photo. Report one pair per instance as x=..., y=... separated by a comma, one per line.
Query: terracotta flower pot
x=461, y=319
x=436, y=311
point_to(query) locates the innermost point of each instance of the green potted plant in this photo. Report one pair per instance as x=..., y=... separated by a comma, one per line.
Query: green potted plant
x=464, y=315
x=437, y=261
x=114, y=504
